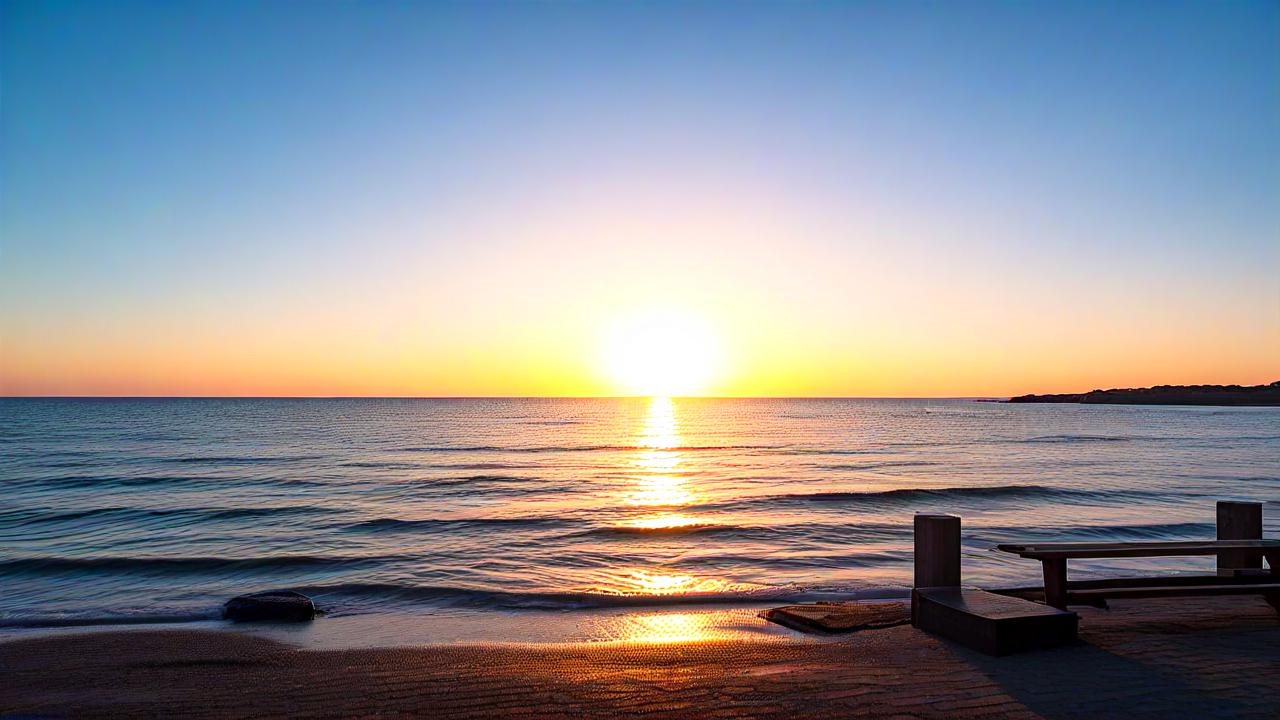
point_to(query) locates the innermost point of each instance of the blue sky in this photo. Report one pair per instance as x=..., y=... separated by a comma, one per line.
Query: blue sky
x=175, y=168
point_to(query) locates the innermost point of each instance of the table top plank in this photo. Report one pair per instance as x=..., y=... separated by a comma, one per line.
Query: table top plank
x=1155, y=591
x=1052, y=551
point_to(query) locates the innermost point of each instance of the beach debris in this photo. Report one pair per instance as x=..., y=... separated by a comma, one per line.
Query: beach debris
x=276, y=605
x=841, y=617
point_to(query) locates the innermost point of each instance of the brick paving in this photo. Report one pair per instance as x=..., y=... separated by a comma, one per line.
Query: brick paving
x=1160, y=659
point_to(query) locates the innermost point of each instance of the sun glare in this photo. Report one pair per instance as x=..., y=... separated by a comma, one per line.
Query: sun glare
x=661, y=353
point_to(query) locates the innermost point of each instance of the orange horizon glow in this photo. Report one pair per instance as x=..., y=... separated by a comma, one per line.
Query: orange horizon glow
x=27, y=372
x=619, y=351
x=713, y=342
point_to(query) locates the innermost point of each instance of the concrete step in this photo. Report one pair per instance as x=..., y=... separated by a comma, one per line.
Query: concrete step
x=990, y=623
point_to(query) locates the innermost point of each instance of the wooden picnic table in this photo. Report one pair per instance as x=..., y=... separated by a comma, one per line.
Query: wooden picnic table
x=1058, y=593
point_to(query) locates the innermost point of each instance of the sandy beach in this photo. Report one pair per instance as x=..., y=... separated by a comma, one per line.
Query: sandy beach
x=1168, y=658
x=705, y=360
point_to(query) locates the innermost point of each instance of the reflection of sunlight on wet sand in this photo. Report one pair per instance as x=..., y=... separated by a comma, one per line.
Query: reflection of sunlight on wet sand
x=667, y=627
x=687, y=626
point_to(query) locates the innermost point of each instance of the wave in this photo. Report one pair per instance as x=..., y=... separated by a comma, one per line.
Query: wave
x=581, y=448
x=1118, y=533
x=1002, y=491
x=480, y=466
x=359, y=598
x=191, y=565
x=842, y=532
x=469, y=479
x=382, y=465
x=398, y=524
x=77, y=481
x=86, y=620
x=674, y=530
x=1137, y=438
x=1234, y=478
x=239, y=459
x=87, y=462
x=391, y=465
x=878, y=465
x=828, y=451
x=901, y=495
x=811, y=561
x=1070, y=439
x=15, y=518
x=351, y=596
x=1080, y=439
x=90, y=481
x=809, y=533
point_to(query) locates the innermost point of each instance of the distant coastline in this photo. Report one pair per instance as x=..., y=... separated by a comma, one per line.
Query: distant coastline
x=1222, y=395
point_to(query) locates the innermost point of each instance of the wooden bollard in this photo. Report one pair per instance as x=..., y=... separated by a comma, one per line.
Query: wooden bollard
x=937, y=556
x=1238, y=521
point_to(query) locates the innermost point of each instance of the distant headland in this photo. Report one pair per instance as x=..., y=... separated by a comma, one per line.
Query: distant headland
x=1256, y=395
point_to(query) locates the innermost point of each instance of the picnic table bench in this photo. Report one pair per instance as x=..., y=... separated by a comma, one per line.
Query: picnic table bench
x=1059, y=593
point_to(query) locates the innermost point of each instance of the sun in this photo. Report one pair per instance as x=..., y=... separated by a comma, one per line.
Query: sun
x=661, y=352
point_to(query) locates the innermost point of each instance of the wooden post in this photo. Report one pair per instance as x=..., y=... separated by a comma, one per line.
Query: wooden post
x=1238, y=521
x=937, y=556
x=1055, y=582
x=937, y=551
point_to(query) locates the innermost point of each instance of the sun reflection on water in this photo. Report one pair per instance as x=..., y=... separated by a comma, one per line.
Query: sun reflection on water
x=660, y=429
x=656, y=583
x=665, y=521
x=659, y=462
x=661, y=481
x=661, y=491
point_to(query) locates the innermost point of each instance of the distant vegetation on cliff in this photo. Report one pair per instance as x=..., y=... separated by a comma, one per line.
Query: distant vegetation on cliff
x=1168, y=395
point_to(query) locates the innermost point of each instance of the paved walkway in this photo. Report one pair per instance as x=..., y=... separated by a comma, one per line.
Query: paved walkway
x=1158, y=659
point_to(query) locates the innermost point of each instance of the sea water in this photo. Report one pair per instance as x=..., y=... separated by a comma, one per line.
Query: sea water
x=133, y=509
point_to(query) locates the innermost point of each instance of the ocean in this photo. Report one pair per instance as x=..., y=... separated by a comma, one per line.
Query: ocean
x=117, y=510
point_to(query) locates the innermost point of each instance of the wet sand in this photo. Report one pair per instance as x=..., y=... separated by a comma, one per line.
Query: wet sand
x=1167, y=658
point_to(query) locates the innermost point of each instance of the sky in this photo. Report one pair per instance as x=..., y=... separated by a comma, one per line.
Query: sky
x=572, y=198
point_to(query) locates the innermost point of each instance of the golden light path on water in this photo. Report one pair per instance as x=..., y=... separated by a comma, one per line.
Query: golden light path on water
x=662, y=484
x=659, y=461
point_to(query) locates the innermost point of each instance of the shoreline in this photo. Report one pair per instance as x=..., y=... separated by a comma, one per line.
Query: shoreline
x=463, y=624
x=381, y=630
x=1205, y=657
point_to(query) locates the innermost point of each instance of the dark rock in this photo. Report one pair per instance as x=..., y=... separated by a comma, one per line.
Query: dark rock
x=278, y=606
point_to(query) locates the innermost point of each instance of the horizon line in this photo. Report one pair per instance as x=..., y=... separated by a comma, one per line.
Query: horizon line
x=503, y=397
